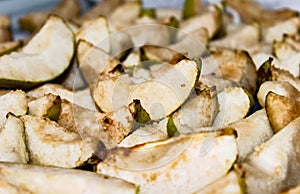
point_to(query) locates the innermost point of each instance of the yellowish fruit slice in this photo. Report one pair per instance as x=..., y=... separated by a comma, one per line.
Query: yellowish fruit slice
x=12, y=138
x=14, y=102
x=165, y=164
x=231, y=183
x=177, y=82
x=281, y=110
x=235, y=104
x=38, y=179
x=47, y=106
x=252, y=131
x=44, y=58
x=49, y=144
x=8, y=47
x=282, y=88
x=95, y=32
x=274, y=166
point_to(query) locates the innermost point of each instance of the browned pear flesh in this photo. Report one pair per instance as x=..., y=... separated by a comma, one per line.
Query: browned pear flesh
x=281, y=110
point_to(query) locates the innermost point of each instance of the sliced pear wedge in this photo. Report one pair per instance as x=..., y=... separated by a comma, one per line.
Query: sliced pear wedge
x=281, y=110
x=238, y=67
x=165, y=164
x=148, y=133
x=219, y=83
x=283, y=49
x=116, y=18
x=8, y=47
x=109, y=128
x=293, y=190
x=5, y=34
x=251, y=11
x=114, y=91
x=235, y=104
x=274, y=166
x=111, y=92
x=103, y=8
x=276, y=31
x=192, y=45
x=51, y=145
x=282, y=88
x=82, y=98
x=211, y=20
x=12, y=138
x=268, y=72
x=47, y=106
x=231, y=183
x=14, y=102
x=252, y=131
x=94, y=61
x=198, y=111
x=44, y=58
x=178, y=82
x=67, y=9
x=242, y=38
x=95, y=32
x=58, y=180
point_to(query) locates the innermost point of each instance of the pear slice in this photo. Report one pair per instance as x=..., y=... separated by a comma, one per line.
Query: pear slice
x=109, y=128
x=274, y=166
x=116, y=18
x=5, y=34
x=94, y=61
x=14, y=102
x=6, y=187
x=67, y=9
x=12, y=138
x=103, y=8
x=51, y=145
x=133, y=59
x=276, y=31
x=148, y=133
x=192, y=45
x=211, y=20
x=95, y=32
x=269, y=72
x=281, y=110
x=291, y=64
x=8, y=47
x=44, y=58
x=293, y=190
x=235, y=103
x=242, y=38
x=219, y=83
x=252, y=131
x=58, y=180
x=165, y=164
x=47, y=106
x=260, y=58
x=198, y=111
x=278, y=87
x=231, y=183
x=251, y=11
x=178, y=82
x=283, y=49
x=112, y=92
x=82, y=98
x=238, y=67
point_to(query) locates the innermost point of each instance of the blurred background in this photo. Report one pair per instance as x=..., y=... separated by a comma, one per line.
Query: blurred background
x=17, y=8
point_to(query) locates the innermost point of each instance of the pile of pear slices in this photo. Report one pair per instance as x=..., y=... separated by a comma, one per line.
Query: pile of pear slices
x=87, y=93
